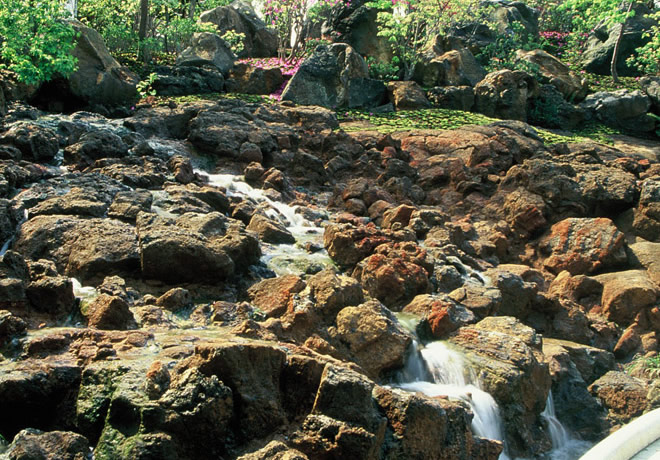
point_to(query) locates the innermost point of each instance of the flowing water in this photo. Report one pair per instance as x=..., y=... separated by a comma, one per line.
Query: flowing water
x=564, y=446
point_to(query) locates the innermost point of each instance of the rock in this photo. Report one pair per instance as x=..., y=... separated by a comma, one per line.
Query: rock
x=95, y=145
x=185, y=80
x=647, y=255
x=526, y=212
x=270, y=231
x=508, y=356
x=505, y=94
x=77, y=202
x=276, y=296
x=109, y=313
x=441, y=316
x=481, y=301
x=207, y=248
x=625, y=294
x=84, y=248
x=646, y=222
x=175, y=299
x=518, y=296
x=35, y=142
x=182, y=169
x=597, y=56
x=423, y=427
x=456, y=67
x=407, y=95
x=583, y=245
x=127, y=205
x=622, y=109
x=207, y=49
x=10, y=327
x=52, y=295
x=99, y=79
x=240, y=17
x=247, y=79
x=332, y=292
x=253, y=372
x=574, y=405
x=395, y=274
x=333, y=76
x=373, y=336
x=506, y=13
x=3, y=103
x=274, y=450
x=556, y=73
x=452, y=97
x=550, y=109
x=651, y=86
x=38, y=394
x=624, y=396
x=54, y=445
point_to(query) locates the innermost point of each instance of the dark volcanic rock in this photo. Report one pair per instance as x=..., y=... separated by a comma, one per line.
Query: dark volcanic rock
x=207, y=49
x=31, y=444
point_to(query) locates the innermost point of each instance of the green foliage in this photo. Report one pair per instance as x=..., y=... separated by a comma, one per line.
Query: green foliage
x=234, y=40
x=115, y=20
x=145, y=87
x=502, y=54
x=647, y=58
x=411, y=25
x=645, y=367
x=310, y=45
x=657, y=124
x=36, y=41
x=387, y=71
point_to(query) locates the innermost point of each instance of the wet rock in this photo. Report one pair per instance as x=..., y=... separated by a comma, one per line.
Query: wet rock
x=207, y=248
x=275, y=450
x=247, y=79
x=505, y=94
x=374, y=337
x=35, y=142
x=334, y=76
x=270, y=231
x=175, y=299
x=583, y=245
x=10, y=327
x=395, y=274
x=407, y=95
x=95, y=145
x=480, y=300
x=419, y=426
x=333, y=292
x=558, y=74
x=252, y=371
x=207, y=49
x=508, y=355
x=574, y=405
x=625, y=294
x=76, y=202
x=110, y=313
x=38, y=395
x=127, y=205
x=518, y=296
x=240, y=17
x=624, y=396
x=52, y=295
x=54, y=445
x=439, y=315
x=84, y=248
x=276, y=296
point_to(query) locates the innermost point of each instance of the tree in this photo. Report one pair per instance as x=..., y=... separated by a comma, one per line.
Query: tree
x=36, y=41
x=142, y=31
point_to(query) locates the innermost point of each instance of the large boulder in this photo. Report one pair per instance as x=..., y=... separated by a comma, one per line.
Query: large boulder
x=34, y=142
x=600, y=45
x=240, y=17
x=583, y=245
x=99, y=78
x=558, y=74
x=646, y=222
x=627, y=293
x=621, y=109
x=456, y=67
x=505, y=13
x=407, y=95
x=36, y=444
x=333, y=76
x=505, y=94
x=184, y=80
x=247, y=79
x=623, y=395
x=207, y=49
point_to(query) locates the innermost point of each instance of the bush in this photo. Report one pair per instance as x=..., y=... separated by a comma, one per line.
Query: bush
x=37, y=42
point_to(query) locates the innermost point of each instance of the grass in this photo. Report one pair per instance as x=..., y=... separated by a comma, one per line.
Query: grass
x=606, y=83
x=645, y=367
x=357, y=120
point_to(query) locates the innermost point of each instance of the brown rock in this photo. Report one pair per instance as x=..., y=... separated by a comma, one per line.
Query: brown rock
x=407, y=95
x=109, y=312
x=623, y=396
x=53, y=445
x=505, y=94
x=270, y=231
x=10, y=326
x=625, y=294
x=275, y=450
x=583, y=245
x=175, y=299
x=558, y=74
x=275, y=296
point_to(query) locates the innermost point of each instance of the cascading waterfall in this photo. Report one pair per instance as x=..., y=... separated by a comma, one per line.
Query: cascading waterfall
x=437, y=370
x=564, y=446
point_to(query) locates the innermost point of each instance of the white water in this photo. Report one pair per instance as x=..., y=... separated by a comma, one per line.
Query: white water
x=564, y=446
x=453, y=378
x=5, y=246
x=283, y=258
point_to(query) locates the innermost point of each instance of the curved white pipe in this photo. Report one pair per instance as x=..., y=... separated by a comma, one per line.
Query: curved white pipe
x=628, y=440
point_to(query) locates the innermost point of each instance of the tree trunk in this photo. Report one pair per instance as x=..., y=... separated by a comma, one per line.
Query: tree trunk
x=72, y=7
x=191, y=14
x=617, y=46
x=142, y=32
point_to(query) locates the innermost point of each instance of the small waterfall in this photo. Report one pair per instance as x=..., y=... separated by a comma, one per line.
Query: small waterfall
x=558, y=434
x=5, y=246
x=450, y=376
